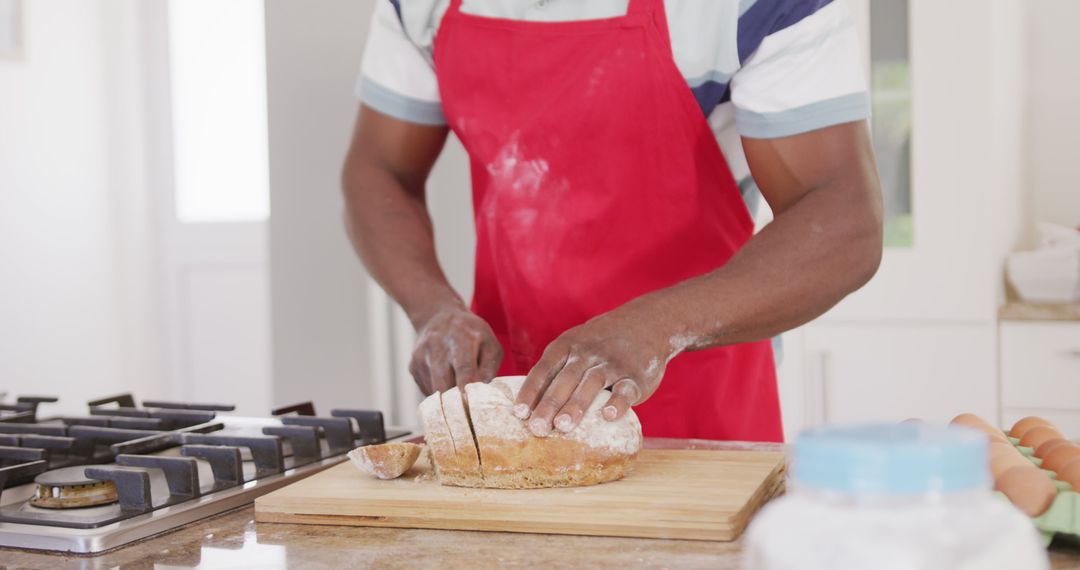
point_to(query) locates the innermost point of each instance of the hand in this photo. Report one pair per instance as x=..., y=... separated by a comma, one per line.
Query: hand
x=626, y=349
x=453, y=348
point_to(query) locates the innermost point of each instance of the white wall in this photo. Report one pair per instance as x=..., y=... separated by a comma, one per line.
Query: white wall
x=1055, y=116
x=319, y=288
x=75, y=311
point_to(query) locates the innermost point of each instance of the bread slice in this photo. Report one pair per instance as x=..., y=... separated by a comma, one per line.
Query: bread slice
x=447, y=432
x=596, y=451
x=385, y=460
x=437, y=435
x=466, y=455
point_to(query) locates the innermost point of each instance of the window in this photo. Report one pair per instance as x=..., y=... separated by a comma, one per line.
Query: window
x=890, y=100
x=217, y=58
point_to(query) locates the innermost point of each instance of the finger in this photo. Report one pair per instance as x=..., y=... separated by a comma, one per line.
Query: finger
x=463, y=360
x=624, y=394
x=541, y=375
x=491, y=355
x=556, y=396
x=594, y=380
x=440, y=373
x=418, y=369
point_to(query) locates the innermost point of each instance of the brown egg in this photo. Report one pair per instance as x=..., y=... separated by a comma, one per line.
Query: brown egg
x=1039, y=435
x=1029, y=489
x=1060, y=456
x=1049, y=446
x=1070, y=474
x=1002, y=462
x=1000, y=447
x=1021, y=427
x=975, y=422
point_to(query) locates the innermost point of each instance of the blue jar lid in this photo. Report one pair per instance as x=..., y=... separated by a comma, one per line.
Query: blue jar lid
x=892, y=459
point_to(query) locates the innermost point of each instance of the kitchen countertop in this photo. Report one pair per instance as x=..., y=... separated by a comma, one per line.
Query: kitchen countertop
x=234, y=540
x=1021, y=311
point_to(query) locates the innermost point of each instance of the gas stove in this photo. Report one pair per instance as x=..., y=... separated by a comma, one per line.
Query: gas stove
x=124, y=472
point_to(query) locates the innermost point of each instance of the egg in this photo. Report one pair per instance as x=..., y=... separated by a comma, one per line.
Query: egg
x=1070, y=474
x=1060, y=456
x=1049, y=446
x=1021, y=427
x=1002, y=462
x=1000, y=447
x=975, y=422
x=1039, y=435
x=1029, y=489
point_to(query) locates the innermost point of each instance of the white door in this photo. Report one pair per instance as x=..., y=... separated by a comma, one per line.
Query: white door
x=959, y=98
x=919, y=340
x=207, y=108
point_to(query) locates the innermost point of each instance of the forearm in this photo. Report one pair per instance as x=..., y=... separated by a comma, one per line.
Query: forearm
x=387, y=219
x=390, y=229
x=816, y=252
x=824, y=243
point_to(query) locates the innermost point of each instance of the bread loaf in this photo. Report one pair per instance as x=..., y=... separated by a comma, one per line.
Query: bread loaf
x=450, y=467
x=500, y=452
x=386, y=460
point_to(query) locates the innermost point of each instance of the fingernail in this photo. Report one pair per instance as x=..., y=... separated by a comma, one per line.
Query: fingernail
x=609, y=412
x=563, y=423
x=521, y=411
x=539, y=427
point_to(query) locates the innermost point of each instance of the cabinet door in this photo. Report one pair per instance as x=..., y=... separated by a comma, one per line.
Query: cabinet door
x=894, y=372
x=1040, y=365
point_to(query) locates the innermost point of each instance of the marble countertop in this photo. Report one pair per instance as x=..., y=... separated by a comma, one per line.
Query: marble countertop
x=235, y=540
x=1020, y=311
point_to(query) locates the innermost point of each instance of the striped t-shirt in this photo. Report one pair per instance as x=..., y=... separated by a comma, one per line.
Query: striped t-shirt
x=758, y=68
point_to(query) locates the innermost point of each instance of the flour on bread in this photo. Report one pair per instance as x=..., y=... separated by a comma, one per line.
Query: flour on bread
x=620, y=436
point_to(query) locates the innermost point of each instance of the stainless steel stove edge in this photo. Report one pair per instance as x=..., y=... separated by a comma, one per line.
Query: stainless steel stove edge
x=100, y=540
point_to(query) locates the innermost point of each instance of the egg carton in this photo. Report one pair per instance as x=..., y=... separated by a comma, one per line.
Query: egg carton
x=1063, y=516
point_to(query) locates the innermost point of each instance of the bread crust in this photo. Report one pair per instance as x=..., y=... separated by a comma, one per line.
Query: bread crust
x=466, y=457
x=510, y=457
x=385, y=460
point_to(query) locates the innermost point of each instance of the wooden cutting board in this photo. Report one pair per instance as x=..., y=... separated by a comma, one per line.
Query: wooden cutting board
x=685, y=494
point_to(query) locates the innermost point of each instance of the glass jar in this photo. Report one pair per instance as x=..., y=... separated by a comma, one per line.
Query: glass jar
x=904, y=496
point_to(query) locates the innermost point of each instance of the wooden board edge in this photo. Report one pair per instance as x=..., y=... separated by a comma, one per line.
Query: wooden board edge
x=769, y=488
x=268, y=509
x=720, y=535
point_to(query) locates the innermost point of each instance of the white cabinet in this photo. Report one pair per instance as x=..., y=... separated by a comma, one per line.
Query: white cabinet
x=897, y=371
x=1040, y=372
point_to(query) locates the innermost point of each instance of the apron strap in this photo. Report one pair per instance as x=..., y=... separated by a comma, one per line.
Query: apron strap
x=655, y=8
x=455, y=6
x=640, y=6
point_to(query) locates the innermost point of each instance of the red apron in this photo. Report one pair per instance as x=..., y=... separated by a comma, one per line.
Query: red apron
x=596, y=179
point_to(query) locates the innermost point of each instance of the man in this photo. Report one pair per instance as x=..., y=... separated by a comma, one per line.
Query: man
x=612, y=144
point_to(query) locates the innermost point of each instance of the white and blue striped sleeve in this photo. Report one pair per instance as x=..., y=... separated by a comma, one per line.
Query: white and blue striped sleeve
x=396, y=78
x=801, y=68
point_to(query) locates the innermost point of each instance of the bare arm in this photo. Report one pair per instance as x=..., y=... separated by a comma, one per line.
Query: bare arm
x=388, y=222
x=824, y=243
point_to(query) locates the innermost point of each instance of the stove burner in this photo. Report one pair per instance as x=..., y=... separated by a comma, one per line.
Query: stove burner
x=69, y=488
x=85, y=484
